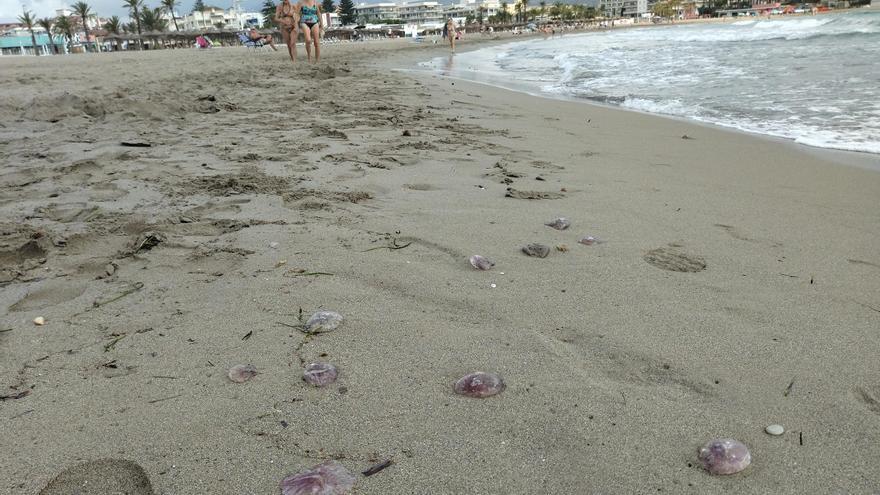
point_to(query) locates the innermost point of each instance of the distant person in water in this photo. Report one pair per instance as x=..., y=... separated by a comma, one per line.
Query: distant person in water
x=286, y=18
x=449, y=33
x=255, y=35
x=310, y=23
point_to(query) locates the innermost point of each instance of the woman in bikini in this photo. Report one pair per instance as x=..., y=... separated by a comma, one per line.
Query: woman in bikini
x=285, y=17
x=310, y=23
x=449, y=32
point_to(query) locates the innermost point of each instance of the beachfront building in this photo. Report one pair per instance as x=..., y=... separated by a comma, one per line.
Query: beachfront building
x=625, y=8
x=422, y=13
x=377, y=13
x=217, y=18
x=23, y=44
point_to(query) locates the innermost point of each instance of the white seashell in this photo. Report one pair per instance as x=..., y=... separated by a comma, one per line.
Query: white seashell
x=39, y=321
x=775, y=430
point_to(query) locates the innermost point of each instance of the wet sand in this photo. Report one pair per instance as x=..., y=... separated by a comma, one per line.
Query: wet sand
x=737, y=287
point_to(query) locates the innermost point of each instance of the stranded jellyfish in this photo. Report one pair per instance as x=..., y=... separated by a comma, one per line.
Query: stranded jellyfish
x=241, y=373
x=590, y=240
x=327, y=478
x=559, y=223
x=320, y=374
x=479, y=385
x=725, y=456
x=323, y=321
x=481, y=263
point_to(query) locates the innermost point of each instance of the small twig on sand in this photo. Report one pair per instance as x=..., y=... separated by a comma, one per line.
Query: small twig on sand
x=311, y=274
x=164, y=376
x=110, y=345
x=247, y=335
x=378, y=467
x=163, y=398
x=853, y=300
x=788, y=388
x=15, y=396
x=5, y=330
x=22, y=414
x=298, y=327
x=136, y=287
x=801, y=438
x=391, y=246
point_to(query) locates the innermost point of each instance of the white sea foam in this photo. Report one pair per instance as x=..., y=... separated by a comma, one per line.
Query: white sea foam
x=815, y=80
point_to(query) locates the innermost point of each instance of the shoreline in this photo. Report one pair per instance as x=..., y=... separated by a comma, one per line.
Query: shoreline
x=862, y=159
x=735, y=288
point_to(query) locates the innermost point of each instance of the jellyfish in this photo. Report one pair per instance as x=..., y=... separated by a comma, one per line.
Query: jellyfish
x=323, y=321
x=481, y=263
x=241, y=373
x=590, y=240
x=327, y=478
x=725, y=456
x=560, y=223
x=479, y=385
x=320, y=374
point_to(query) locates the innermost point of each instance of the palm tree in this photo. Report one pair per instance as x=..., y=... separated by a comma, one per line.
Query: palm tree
x=503, y=13
x=47, y=23
x=113, y=25
x=168, y=6
x=152, y=20
x=134, y=10
x=543, y=5
x=525, y=9
x=27, y=18
x=64, y=27
x=83, y=10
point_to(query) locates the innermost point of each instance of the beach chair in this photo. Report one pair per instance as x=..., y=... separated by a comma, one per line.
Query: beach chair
x=249, y=43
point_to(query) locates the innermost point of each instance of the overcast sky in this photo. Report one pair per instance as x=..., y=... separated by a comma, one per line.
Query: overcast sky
x=11, y=9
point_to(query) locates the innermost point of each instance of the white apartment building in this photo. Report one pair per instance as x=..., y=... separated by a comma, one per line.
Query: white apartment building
x=376, y=13
x=214, y=17
x=425, y=14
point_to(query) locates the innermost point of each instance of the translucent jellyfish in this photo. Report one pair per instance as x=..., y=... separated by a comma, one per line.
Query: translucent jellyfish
x=241, y=373
x=320, y=374
x=323, y=321
x=559, y=223
x=590, y=240
x=481, y=263
x=537, y=250
x=479, y=385
x=327, y=478
x=725, y=456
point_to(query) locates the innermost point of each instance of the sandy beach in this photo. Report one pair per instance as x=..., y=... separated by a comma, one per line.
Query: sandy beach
x=174, y=213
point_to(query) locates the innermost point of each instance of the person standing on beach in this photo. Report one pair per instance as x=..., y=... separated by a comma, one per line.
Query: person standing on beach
x=285, y=17
x=310, y=23
x=449, y=32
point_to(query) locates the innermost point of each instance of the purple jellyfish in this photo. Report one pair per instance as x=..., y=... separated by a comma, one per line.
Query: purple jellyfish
x=479, y=385
x=725, y=456
x=320, y=374
x=327, y=478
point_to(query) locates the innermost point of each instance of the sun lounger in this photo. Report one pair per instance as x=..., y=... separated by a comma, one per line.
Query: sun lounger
x=249, y=43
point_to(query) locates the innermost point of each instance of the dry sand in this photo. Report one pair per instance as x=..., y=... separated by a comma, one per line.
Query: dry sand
x=156, y=269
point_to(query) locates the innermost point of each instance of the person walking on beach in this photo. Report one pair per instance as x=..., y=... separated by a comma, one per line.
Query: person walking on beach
x=285, y=17
x=449, y=32
x=310, y=23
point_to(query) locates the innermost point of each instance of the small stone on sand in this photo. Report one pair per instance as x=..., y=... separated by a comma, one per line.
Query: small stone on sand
x=39, y=321
x=775, y=430
x=536, y=250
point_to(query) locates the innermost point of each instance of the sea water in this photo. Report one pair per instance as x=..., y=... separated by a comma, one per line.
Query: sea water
x=813, y=79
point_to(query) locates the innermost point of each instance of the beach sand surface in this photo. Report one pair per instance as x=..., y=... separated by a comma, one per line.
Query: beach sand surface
x=172, y=214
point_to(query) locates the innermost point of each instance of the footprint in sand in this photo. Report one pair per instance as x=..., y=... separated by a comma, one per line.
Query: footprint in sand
x=54, y=293
x=101, y=477
x=869, y=397
x=674, y=260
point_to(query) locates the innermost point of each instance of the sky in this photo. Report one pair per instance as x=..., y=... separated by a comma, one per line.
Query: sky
x=11, y=9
